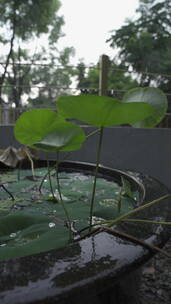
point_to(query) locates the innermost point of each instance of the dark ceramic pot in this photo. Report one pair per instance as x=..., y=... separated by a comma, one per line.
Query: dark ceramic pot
x=98, y=269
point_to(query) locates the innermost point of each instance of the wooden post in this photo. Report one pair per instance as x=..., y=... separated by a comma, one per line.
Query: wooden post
x=103, y=75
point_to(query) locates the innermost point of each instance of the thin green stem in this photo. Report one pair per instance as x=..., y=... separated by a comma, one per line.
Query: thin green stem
x=110, y=223
x=95, y=177
x=120, y=200
x=146, y=221
x=60, y=196
x=31, y=162
x=120, y=218
x=44, y=177
x=19, y=170
x=10, y=194
x=51, y=169
x=93, y=132
x=126, y=236
x=50, y=181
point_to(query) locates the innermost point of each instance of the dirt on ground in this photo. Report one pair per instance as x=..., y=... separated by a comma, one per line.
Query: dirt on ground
x=156, y=280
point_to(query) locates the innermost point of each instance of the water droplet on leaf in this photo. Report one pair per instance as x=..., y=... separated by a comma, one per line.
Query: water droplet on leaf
x=3, y=245
x=12, y=235
x=52, y=225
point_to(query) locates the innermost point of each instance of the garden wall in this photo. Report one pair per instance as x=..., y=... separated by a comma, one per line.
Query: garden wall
x=144, y=150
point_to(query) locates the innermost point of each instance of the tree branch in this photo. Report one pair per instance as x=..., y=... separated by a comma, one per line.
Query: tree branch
x=2, y=79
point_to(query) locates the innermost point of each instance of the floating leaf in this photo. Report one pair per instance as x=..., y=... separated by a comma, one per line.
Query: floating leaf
x=32, y=217
x=7, y=178
x=154, y=97
x=23, y=234
x=103, y=111
x=25, y=152
x=5, y=205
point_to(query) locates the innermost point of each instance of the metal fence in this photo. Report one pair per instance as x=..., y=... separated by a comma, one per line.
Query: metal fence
x=9, y=112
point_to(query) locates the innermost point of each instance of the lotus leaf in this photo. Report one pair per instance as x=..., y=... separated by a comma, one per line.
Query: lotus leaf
x=103, y=111
x=45, y=130
x=154, y=97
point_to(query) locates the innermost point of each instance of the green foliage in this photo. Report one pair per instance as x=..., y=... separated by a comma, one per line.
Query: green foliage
x=28, y=17
x=24, y=234
x=22, y=22
x=40, y=225
x=33, y=125
x=145, y=43
x=53, y=78
x=45, y=130
x=102, y=111
x=154, y=97
x=48, y=131
x=66, y=136
x=116, y=77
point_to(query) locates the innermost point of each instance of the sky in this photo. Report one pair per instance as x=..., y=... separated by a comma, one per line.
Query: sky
x=88, y=24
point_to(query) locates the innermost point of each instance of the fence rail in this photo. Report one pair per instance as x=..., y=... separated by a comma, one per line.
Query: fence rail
x=44, y=95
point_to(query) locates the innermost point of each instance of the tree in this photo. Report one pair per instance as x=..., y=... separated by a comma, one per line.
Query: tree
x=23, y=21
x=118, y=80
x=145, y=43
x=54, y=77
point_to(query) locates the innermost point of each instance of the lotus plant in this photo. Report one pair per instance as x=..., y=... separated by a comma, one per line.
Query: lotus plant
x=50, y=131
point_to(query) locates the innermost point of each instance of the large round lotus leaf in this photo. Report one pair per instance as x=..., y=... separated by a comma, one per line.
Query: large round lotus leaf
x=18, y=221
x=24, y=234
x=35, y=124
x=67, y=136
x=102, y=111
x=154, y=97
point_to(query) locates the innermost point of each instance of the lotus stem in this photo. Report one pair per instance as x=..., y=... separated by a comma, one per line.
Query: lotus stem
x=123, y=218
x=93, y=132
x=147, y=221
x=61, y=199
x=120, y=218
x=10, y=194
x=19, y=170
x=44, y=177
x=95, y=177
x=126, y=236
x=120, y=201
x=32, y=163
x=51, y=169
x=50, y=181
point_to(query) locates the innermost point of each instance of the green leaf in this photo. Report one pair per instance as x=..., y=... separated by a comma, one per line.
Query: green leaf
x=7, y=178
x=102, y=111
x=5, y=205
x=154, y=97
x=45, y=130
x=19, y=221
x=67, y=136
x=23, y=234
x=35, y=124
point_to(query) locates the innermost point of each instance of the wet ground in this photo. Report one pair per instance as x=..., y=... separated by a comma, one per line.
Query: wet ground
x=156, y=280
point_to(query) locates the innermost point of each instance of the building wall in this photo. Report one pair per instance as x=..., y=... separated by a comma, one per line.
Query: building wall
x=143, y=150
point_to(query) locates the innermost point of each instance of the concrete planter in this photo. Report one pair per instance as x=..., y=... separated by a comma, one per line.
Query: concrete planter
x=98, y=269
